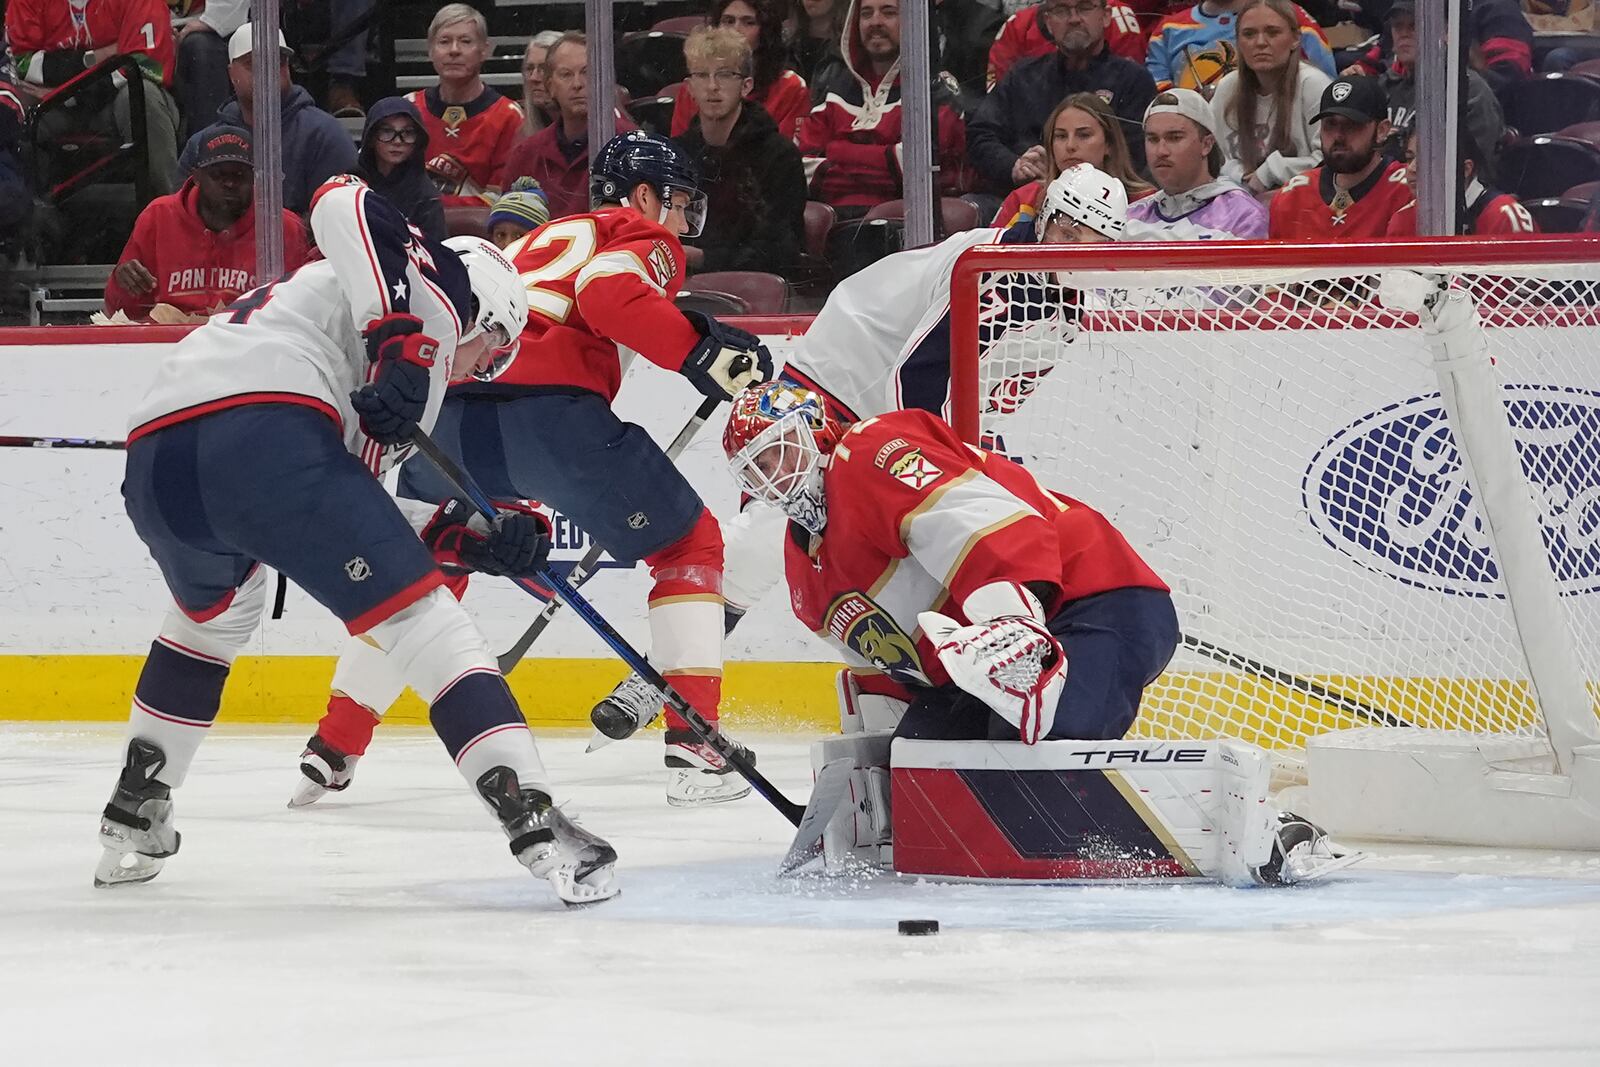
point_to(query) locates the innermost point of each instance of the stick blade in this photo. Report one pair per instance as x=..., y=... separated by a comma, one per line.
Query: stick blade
x=830, y=790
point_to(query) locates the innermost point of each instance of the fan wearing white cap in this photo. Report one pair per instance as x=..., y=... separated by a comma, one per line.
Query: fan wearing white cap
x=315, y=146
x=1185, y=158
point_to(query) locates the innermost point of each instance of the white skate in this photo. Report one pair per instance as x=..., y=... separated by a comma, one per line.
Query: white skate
x=323, y=770
x=696, y=775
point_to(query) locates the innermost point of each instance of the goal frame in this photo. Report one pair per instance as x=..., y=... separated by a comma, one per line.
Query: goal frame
x=1382, y=782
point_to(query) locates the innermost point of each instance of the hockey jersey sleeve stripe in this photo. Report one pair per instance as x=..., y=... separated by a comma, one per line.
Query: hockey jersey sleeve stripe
x=610, y=264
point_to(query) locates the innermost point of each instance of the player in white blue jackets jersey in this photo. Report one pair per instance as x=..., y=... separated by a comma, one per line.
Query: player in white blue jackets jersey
x=882, y=343
x=260, y=442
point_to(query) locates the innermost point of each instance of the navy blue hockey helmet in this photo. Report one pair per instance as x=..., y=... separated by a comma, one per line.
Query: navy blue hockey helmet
x=630, y=159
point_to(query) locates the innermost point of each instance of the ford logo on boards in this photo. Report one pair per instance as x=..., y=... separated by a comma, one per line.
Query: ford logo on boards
x=1389, y=490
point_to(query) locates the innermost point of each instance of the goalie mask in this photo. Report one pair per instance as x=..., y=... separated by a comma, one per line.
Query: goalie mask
x=1086, y=196
x=778, y=441
x=500, y=303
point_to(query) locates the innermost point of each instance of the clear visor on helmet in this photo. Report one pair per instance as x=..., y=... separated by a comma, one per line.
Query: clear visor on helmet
x=782, y=466
x=694, y=211
x=502, y=350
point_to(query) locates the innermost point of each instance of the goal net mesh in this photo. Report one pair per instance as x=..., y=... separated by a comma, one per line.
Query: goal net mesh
x=1272, y=440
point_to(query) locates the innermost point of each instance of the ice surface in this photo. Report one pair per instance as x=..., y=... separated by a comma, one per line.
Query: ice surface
x=391, y=926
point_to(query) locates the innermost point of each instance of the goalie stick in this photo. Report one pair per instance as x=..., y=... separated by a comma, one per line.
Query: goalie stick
x=807, y=820
x=508, y=660
x=16, y=441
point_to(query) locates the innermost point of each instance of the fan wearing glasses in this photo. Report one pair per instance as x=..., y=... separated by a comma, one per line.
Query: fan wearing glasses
x=394, y=146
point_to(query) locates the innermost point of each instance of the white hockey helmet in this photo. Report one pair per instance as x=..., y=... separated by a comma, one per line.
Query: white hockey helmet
x=499, y=298
x=1086, y=195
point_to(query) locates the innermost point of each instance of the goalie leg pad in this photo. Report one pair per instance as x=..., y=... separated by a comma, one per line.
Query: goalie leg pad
x=866, y=703
x=859, y=831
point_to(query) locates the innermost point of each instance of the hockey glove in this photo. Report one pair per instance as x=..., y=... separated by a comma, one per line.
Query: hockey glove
x=516, y=546
x=393, y=402
x=1005, y=657
x=726, y=360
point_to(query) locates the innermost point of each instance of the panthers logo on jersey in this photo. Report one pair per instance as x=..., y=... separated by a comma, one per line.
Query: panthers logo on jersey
x=1197, y=70
x=856, y=622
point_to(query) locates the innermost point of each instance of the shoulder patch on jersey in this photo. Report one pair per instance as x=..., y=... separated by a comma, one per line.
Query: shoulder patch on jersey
x=915, y=470
x=661, y=264
x=855, y=621
x=888, y=450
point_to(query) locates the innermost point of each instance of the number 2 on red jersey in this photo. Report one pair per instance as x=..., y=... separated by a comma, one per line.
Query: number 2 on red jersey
x=552, y=255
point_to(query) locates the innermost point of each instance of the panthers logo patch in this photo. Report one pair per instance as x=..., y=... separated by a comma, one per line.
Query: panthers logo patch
x=915, y=470
x=855, y=622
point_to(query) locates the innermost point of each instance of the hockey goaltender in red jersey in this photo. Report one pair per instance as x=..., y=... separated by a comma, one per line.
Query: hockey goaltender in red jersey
x=976, y=609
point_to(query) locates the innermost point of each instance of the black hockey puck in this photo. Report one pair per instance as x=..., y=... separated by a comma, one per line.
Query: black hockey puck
x=919, y=927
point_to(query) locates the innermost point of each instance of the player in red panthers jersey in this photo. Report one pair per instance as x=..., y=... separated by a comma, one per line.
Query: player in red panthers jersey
x=1355, y=193
x=996, y=608
x=541, y=428
x=470, y=126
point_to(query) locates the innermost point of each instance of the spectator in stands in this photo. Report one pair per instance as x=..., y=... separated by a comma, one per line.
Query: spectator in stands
x=519, y=211
x=537, y=110
x=963, y=33
x=52, y=41
x=558, y=155
x=1484, y=119
x=1025, y=35
x=1499, y=37
x=851, y=141
x=16, y=199
x=781, y=92
x=754, y=182
x=202, y=77
x=1355, y=193
x=471, y=127
x=394, y=144
x=818, y=28
x=1003, y=134
x=347, y=58
x=1082, y=129
x=1194, y=204
x=1264, y=107
x=1194, y=48
x=1488, y=210
x=315, y=146
x=195, y=250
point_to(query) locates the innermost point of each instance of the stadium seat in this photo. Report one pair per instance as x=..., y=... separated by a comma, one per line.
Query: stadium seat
x=1547, y=165
x=1545, y=103
x=820, y=218
x=684, y=24
x=1589, y=68
x=653, y=114
x=711, y=302
x=466, y=220
x=647, y=61
x=762, y=293
x=1557, y=214
x=1582, y=131
x=1586, y=192
x=862, y=242
x=955, y=214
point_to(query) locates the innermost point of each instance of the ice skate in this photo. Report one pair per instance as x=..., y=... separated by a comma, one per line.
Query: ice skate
x=577, y=864
x=136, y=828
x=323, y=769
x=632, y=705
x=697, y=775
x=1302, y=852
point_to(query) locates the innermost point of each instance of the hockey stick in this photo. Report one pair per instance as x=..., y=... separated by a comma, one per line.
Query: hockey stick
x=1348, y=704
x=508, y=660
x=15, y=441
x=463, y=484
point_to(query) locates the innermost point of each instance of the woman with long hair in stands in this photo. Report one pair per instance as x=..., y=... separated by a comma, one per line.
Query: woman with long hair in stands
x=814, y=35
x=537, y=108
x=1081, y=129
x=1266, y=104
x=779, y=90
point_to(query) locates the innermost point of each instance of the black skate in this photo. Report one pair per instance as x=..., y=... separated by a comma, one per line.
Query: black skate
x=1302, y=852
x=136, y=830
x=576, y=863
x=621, y=713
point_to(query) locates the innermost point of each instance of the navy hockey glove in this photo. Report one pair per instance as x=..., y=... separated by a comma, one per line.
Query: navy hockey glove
x=726, y=360
x=391, y=405
x=516, y=546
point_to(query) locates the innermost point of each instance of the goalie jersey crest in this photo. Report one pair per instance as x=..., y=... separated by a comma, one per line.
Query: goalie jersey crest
x=853, y=620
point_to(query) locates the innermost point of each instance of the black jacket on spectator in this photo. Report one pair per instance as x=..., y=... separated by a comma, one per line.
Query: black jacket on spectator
x=315, y=147
x=755, y=188
x=408, y=188
x=1011, y=118
x=1485, y=121
x=963, y=31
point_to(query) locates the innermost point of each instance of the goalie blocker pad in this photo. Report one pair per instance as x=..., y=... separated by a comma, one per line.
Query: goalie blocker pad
x=1081, y=810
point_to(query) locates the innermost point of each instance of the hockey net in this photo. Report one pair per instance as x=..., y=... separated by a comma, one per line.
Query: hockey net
x=1272, y=439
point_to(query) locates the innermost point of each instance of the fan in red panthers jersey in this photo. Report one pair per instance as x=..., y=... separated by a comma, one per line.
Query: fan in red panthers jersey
x=1355, y=193
x=948, y=577
x=1487, y=210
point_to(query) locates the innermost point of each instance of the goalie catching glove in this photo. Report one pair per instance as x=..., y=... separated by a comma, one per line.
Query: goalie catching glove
x=727, y=359
x=516, y=546
x=1005, y=656
x=393, y=402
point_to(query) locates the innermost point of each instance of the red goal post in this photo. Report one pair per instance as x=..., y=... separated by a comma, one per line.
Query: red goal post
x=1382, y=528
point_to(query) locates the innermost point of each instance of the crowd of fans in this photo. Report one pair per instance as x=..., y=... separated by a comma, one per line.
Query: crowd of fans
x=1224, y=119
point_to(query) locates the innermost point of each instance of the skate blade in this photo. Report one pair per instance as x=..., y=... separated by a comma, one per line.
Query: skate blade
x=697, y=797
x=306, y=794
x=596, y=887
x=125, y=868
x=597, y=742
x=1316, y=868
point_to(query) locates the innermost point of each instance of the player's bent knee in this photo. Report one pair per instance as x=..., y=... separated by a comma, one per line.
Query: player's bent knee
x=223, y=636
x=432, y=643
